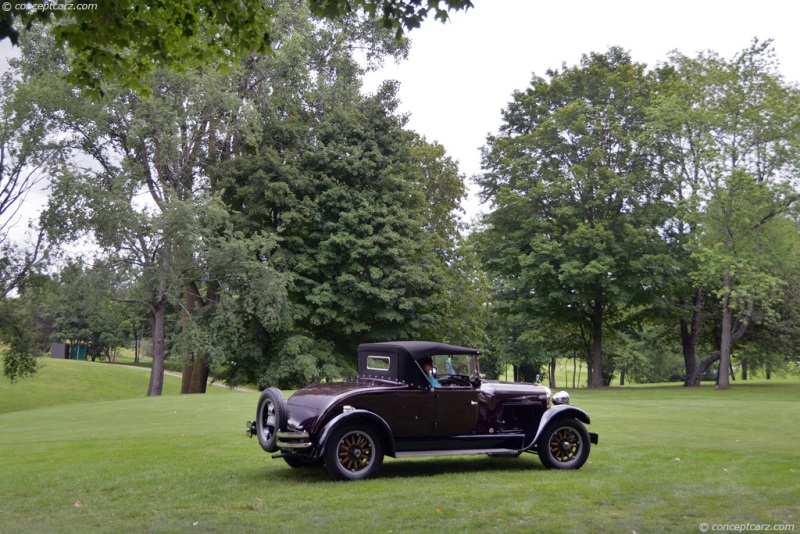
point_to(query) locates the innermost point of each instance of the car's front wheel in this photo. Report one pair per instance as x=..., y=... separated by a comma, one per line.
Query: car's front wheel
x=270, y=418
x=353, y=452
x=564, y=444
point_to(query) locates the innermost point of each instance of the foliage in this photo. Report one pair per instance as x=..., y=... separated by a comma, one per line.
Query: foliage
x=270, y=205
x=648, y=355
x=85, y=308
x=126, y=41
x=303, y=360
x=363, y=213
x=19, y=351
x=732, y=128
x=27, y=152
x=25, y=327
x=402, y=15
x=574, y=229
x=140, y=144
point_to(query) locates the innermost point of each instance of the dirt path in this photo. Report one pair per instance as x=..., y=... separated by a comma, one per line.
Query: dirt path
x=179, y=375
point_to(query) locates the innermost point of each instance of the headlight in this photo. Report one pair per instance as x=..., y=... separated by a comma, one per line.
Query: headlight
x=562, y=397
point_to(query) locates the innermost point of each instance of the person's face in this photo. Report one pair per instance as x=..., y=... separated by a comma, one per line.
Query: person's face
x=427, y=367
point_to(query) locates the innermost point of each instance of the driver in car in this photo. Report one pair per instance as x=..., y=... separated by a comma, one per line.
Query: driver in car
x=427, y=367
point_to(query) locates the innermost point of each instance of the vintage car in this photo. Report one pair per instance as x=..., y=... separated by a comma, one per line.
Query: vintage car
x=396, y=409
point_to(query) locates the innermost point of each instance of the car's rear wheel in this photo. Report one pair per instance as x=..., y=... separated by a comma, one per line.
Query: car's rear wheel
x=353, y=452
x=564, y=444
x=270, y=418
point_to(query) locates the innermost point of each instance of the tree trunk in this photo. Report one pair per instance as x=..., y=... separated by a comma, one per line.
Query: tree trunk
x=195, y=370
x=195, y=377
x=622, y=377
x=137, y=343
x=597, y=350
x=744, y=369
x=689, y=339
x=158, y=308
x=574, y=369
x=725, y=345
x=703, y=367
x=552, y=372
x=159, y=333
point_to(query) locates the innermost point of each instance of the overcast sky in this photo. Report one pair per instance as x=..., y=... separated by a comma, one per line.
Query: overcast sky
x=461, y=74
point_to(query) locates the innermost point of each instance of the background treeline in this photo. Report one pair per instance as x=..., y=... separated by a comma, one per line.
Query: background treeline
x=263, y=217
x=637, y=214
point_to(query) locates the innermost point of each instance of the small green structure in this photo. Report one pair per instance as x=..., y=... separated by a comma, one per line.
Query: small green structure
x=68, y=351
x=77, y=352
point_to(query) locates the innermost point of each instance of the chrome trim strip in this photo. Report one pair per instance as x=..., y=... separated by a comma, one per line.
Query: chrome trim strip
x=293, y=435
x=292, y=445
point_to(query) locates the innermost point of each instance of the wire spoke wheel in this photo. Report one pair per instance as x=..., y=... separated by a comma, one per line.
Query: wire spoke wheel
x=564, y=445
x=354, y=452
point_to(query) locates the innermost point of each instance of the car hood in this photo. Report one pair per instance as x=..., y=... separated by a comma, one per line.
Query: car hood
x=496, y=389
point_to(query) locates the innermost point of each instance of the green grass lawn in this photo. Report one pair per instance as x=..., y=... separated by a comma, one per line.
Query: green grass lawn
x=668, y=460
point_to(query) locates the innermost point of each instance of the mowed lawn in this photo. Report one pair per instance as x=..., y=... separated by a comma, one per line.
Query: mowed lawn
x=669, y=460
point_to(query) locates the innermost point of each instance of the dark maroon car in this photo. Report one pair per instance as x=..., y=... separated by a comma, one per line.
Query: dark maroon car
x=395, y=409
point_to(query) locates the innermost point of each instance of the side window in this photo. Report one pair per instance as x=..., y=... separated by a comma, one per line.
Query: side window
x=378, y=363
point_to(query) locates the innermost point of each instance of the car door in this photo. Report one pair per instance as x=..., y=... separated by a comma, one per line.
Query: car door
x=414, y=413
x=456, y=411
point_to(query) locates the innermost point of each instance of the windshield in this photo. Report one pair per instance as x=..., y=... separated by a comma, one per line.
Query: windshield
x=457, y=364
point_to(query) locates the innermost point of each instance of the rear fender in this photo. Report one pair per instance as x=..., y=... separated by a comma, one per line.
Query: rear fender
x=363, y=416
x=561, y=411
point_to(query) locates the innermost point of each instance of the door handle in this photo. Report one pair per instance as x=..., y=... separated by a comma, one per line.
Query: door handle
x=473, y=403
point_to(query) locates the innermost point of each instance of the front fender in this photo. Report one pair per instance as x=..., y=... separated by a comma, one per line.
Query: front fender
x=558, y=412
x=358, y=415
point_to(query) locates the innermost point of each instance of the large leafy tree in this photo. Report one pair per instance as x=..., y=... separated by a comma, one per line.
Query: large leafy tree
x=28, y=151
x=180, y=242
x=729, y=134
x=574, y=229
x=363, y=211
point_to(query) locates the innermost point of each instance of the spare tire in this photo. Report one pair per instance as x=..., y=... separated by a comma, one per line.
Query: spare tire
x=270, y=418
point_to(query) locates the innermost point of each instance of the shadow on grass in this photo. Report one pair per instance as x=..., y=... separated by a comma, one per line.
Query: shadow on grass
x=434, y=466
x=404, y=468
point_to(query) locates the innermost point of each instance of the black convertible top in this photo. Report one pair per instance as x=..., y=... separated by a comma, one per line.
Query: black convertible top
x=418, y=349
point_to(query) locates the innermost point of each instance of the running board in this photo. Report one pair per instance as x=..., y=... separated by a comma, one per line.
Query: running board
x=456, y=452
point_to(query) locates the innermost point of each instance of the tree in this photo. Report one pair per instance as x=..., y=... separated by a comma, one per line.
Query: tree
x=730, y=128
x=24, y=328
x=158, y=145
x=180, y=243
x=28, y=151
x=363, y=212
x=576, y=215
x=86, y=310
x=125, y=41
